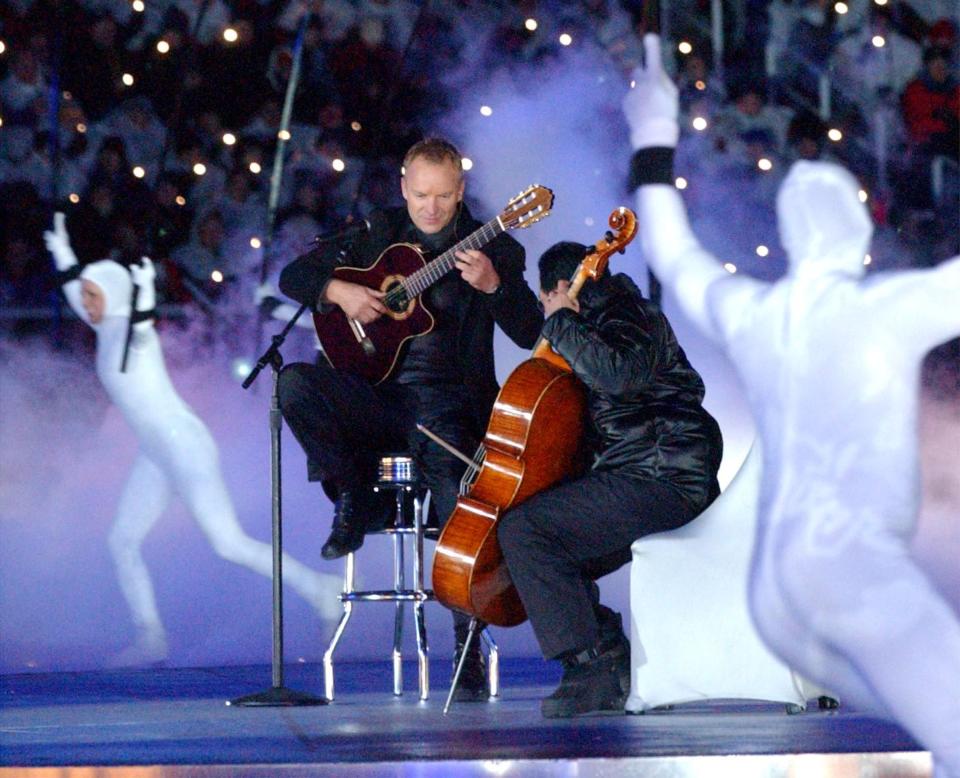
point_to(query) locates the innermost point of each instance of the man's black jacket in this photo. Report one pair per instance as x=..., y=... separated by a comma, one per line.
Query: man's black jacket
x=644, y=396
x=513, y=306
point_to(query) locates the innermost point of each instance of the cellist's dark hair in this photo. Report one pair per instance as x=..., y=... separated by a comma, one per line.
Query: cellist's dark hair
x=559, y=262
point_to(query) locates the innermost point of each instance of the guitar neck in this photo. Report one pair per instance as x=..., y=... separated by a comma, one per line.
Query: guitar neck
x=436, y=268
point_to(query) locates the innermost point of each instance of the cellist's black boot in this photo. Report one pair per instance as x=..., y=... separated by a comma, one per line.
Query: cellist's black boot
x=590, y=684
x=614, y=645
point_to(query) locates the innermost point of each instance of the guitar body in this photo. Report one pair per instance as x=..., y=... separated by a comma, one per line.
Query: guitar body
x=408, y=317
x=532, y=443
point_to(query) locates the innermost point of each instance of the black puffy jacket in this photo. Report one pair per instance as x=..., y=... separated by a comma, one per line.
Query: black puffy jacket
x=645, y=399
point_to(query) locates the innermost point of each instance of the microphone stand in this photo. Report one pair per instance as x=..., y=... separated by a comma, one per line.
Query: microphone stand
x=277, y=694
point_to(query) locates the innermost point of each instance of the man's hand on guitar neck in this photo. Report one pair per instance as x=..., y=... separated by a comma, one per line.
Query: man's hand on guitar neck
x=359, y=303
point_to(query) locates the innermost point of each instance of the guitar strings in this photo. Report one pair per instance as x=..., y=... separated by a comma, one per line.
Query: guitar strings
x=416, y=282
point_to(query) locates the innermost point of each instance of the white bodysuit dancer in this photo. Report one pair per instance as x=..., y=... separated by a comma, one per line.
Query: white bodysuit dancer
x=177, y=452
x=830, y=361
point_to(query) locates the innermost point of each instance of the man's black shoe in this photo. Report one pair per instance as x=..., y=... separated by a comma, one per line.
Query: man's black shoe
x=349, y=526
x=590, y=684
x=615, y=648
x=472, y=685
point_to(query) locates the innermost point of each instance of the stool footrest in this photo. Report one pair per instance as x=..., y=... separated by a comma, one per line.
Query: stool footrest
x=388, y=595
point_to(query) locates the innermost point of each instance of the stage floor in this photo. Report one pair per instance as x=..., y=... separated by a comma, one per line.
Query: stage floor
x=174, y=722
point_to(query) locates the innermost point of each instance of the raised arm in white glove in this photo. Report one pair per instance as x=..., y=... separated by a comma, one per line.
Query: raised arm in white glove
x=143, y=276
x=698, y=280
x=58, y=243
x=652, y=105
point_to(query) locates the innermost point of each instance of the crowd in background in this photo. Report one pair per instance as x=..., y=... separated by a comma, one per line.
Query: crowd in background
x=154, y=123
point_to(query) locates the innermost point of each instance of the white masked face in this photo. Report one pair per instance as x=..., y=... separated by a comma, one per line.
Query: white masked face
x=111, y=282
x=821, y=219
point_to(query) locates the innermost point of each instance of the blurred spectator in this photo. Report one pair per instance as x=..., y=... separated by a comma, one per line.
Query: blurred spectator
x=201, y=262
x=309, y=206
x=112, y=167
x=204, y=19
x=806, y=136
x=36, y=168
x=24, y=84
x=239, y=205
x=203, y=176
x=804, y=58
x=931, y=106
x=931, y=113
x=142, y=132
x=26, y=272
x=613, y=28
x=94, y=64
x=25, y=275
x=701, y=94
x=336, y=16
x=367, y=69
x=235, y=76
x=171, y=216
x=747, y=119
x=265, y=123
x=876, y=63
x=171, y=75
x=943, y=34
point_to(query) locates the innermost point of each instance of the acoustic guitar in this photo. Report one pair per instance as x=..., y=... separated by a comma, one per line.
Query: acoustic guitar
x=403, y=274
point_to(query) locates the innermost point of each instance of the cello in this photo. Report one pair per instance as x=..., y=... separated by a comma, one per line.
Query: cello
x=532, y=442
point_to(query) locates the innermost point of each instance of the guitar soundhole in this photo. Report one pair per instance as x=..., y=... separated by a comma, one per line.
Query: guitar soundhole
x=396, y=298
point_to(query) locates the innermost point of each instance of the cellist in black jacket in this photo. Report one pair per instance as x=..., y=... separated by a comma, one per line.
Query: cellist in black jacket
x=656, y=452
x=444, y=380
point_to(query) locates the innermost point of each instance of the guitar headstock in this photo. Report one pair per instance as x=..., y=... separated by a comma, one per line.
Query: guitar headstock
x=528, y=207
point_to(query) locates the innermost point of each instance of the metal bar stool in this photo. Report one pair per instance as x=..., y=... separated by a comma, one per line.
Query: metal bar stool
x=396, y=473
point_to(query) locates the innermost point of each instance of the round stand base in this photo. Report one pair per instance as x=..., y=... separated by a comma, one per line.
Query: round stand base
x=277, y=696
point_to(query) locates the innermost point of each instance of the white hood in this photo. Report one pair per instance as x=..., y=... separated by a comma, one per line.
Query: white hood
x=823, y=225
x=115, y=282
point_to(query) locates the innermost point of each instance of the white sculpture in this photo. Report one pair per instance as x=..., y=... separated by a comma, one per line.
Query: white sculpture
x=177, y=452
x=691, y=635
x=830, y=361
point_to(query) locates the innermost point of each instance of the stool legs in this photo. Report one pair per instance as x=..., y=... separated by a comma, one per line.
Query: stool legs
x=398, y=586
x=348, y=587
x=399, y=595
x=423, y=663
x=493, y=663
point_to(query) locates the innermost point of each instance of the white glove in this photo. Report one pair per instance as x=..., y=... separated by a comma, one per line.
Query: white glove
x=264, y=292
x=143, y=276
x=58, y=243
x=651, y=107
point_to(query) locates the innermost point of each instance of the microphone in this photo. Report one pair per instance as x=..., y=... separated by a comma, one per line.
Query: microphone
x=348, y=231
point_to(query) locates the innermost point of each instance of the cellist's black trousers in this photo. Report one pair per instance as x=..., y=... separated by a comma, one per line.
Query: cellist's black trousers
x=560, y=541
